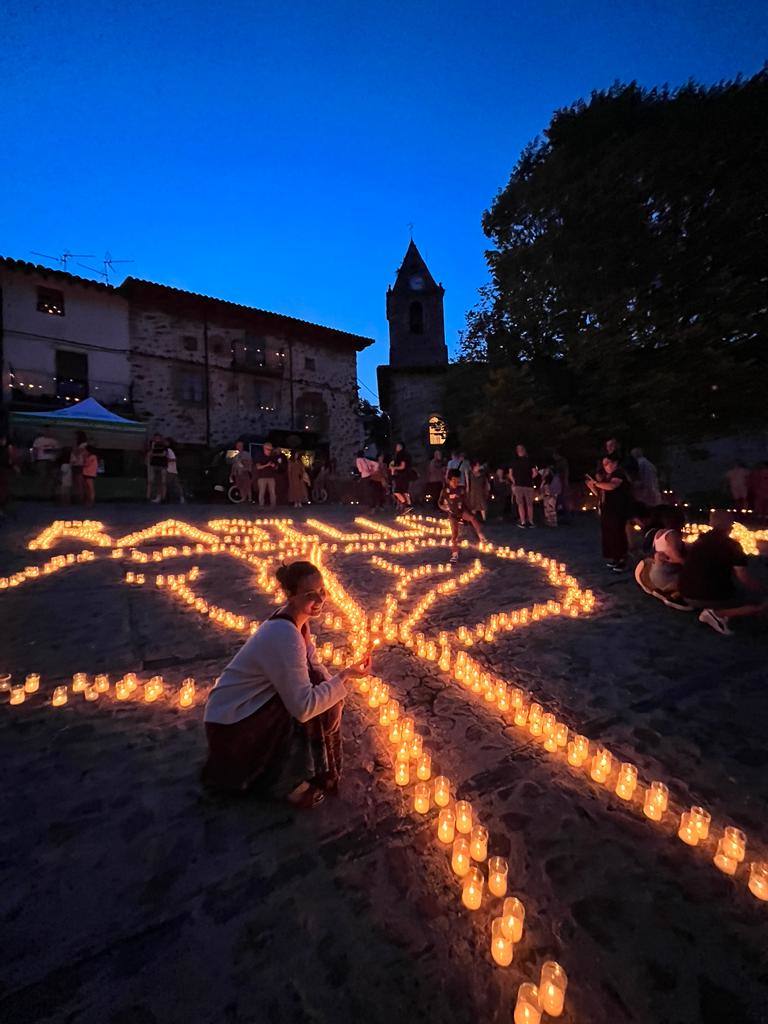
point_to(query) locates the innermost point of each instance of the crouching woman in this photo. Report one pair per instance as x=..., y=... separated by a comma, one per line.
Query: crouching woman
x=273, y=718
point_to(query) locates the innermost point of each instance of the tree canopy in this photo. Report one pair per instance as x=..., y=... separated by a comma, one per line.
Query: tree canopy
x=629, y=270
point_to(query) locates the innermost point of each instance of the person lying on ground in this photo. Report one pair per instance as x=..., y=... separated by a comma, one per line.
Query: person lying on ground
x=273, y=718
x=453, y=500
x=714, y=577
x=659, y=572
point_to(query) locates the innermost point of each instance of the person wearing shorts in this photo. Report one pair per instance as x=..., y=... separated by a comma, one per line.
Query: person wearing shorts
x=453, y=500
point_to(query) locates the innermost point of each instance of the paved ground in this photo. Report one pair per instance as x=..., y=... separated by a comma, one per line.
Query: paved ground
x=129, y=896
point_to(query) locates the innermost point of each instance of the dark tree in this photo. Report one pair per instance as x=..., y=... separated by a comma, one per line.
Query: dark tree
x=629, y=266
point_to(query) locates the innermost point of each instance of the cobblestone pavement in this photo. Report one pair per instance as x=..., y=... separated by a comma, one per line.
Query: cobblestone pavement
x=130, y=897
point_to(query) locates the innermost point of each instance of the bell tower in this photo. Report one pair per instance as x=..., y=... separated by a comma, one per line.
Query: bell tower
x=415, y=315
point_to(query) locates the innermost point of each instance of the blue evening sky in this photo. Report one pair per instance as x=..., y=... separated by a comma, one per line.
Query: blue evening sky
x=274, y=154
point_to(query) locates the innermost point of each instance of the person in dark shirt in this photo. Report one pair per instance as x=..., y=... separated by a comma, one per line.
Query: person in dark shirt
x=453, y=500
x=522, y=473
x=714, y=577
x=613, y=489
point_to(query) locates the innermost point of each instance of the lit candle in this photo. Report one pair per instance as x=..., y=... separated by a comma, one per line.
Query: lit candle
x=79, y=682
x=394, y=710
x=527, y=1008
x=478, y=842
x=31, y=683
x=415, y=746
x=460, y=857
x=402, y=773
x=561, y=734
x=497, y=875
x=424, y=766
x=552, y=986
x=521, y=714
x=384, y=715
x=406, y=728
x=601, y=765
x=502, y=948
x=463, y=816
x=722, y=861
x=687, y=831
x=421, y=797
x=758, y=879
x=91, y=693
x=442, y=791
x=513, y=918
x=446, y=825
x=18, y=694
x=656, y=800
x=548, y=723
x=395, y=736
x=101, y=683
x=472, y=889
x=59, y=696
x=627, y=781
x=734, y=843
x=702, y=820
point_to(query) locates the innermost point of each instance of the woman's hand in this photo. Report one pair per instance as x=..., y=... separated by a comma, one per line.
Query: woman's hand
x=360, y=668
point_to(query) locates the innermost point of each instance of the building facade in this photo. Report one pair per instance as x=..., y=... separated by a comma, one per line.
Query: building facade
x=411, y=386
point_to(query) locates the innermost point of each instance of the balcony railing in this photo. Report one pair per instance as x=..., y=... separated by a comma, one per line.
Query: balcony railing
x=45, y=390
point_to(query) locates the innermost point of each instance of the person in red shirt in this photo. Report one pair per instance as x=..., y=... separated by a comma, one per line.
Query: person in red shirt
x=453, y=500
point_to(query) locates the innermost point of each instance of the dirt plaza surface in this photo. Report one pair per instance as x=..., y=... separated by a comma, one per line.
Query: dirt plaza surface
x=130, y=895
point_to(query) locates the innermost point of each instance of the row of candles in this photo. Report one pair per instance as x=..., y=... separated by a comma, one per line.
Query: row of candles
x=749, y=539
x=467, y=839
x=125, y=688
x=55, y=564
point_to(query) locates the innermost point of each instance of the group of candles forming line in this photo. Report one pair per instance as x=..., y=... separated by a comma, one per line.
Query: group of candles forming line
x=126, y=688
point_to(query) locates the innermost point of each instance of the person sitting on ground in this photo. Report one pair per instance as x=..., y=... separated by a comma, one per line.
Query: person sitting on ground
x=658, y=574
x=453, y=500
x=273, y=717
x=714, y=577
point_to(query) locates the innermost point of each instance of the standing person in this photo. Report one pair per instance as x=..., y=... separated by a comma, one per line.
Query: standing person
x=381, y=479
x=646, y=483
x=7, y=467
x=523, y=473
x=613, y=489
x=173, y=483
x=265, y=472
x=435, y=476
x=458, y=461
x=478, y=491
x=45, y=453
x=297, y=477
x=500, y=494
x=367, y=469
x=273, y=718
x=89, y=473
x=453, y=500
x=551, y=489
x=241, y=471
x=563, y=470
x=400, y=468
x=64, y=478
x=76, y=460
x=738, y=483
x=157, y=469
x=714, y=577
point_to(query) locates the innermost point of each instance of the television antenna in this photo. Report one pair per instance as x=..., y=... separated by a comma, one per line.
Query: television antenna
x=65, y=256
x=108, y=264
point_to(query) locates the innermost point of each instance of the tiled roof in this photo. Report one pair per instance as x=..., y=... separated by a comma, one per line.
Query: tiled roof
x=24, y=267
x=150, y=293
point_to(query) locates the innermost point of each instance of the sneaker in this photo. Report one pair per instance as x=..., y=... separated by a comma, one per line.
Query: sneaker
x=618, y=567
x=710, y=618
x=609, y=564
x=530, y=526
x=408, y=510
x=674, y=601
x=520, y=526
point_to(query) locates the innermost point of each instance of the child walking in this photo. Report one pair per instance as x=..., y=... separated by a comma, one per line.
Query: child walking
x=453, y=500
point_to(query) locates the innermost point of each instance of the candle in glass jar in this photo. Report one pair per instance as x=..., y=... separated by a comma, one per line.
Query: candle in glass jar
x=627, y=781
x=478, y=840
x=513, y=918
x=548, y=723
x=59, y=696
x=527, y=1007
x=424, y=766
x=578, y=751
x=393, y=708
x=31, y=683
x=79, y=682
x=552, y=986
x=472, y=889
x=91, y=693
x=656, y=800
x=402, y=773
x=421, y=797
x=734, y=843
x=442, y=791
x=395, y=736
x=384, y=715
x=18, y=695
x=521, y=715
x=446, y=825
x=561, y=735
x=702, y=820
x=687, y=832
x=415, y=746
x=461, y=861
x=601, y=765
x=758, y=879
x=497, y=876
x=406, y=728
x=722, y=861
x=101, y=683
x=463, y=816
x=502, y=948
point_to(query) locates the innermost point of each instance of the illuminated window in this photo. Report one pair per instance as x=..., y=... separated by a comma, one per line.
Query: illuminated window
x=438, y=431
x=50, y=301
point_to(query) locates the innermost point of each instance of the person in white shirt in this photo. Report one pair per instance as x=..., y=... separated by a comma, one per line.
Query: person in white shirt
x=368, y=469
x=174, y=489
x=273, y=718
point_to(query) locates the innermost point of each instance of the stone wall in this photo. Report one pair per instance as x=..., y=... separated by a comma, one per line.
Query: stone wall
x=412, y=397
x=304, y=387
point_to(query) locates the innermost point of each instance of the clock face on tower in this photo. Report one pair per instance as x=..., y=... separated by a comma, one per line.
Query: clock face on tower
x=416, y=282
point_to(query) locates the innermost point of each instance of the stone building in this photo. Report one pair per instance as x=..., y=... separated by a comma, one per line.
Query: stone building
x=411, y=386
x=205, y=371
